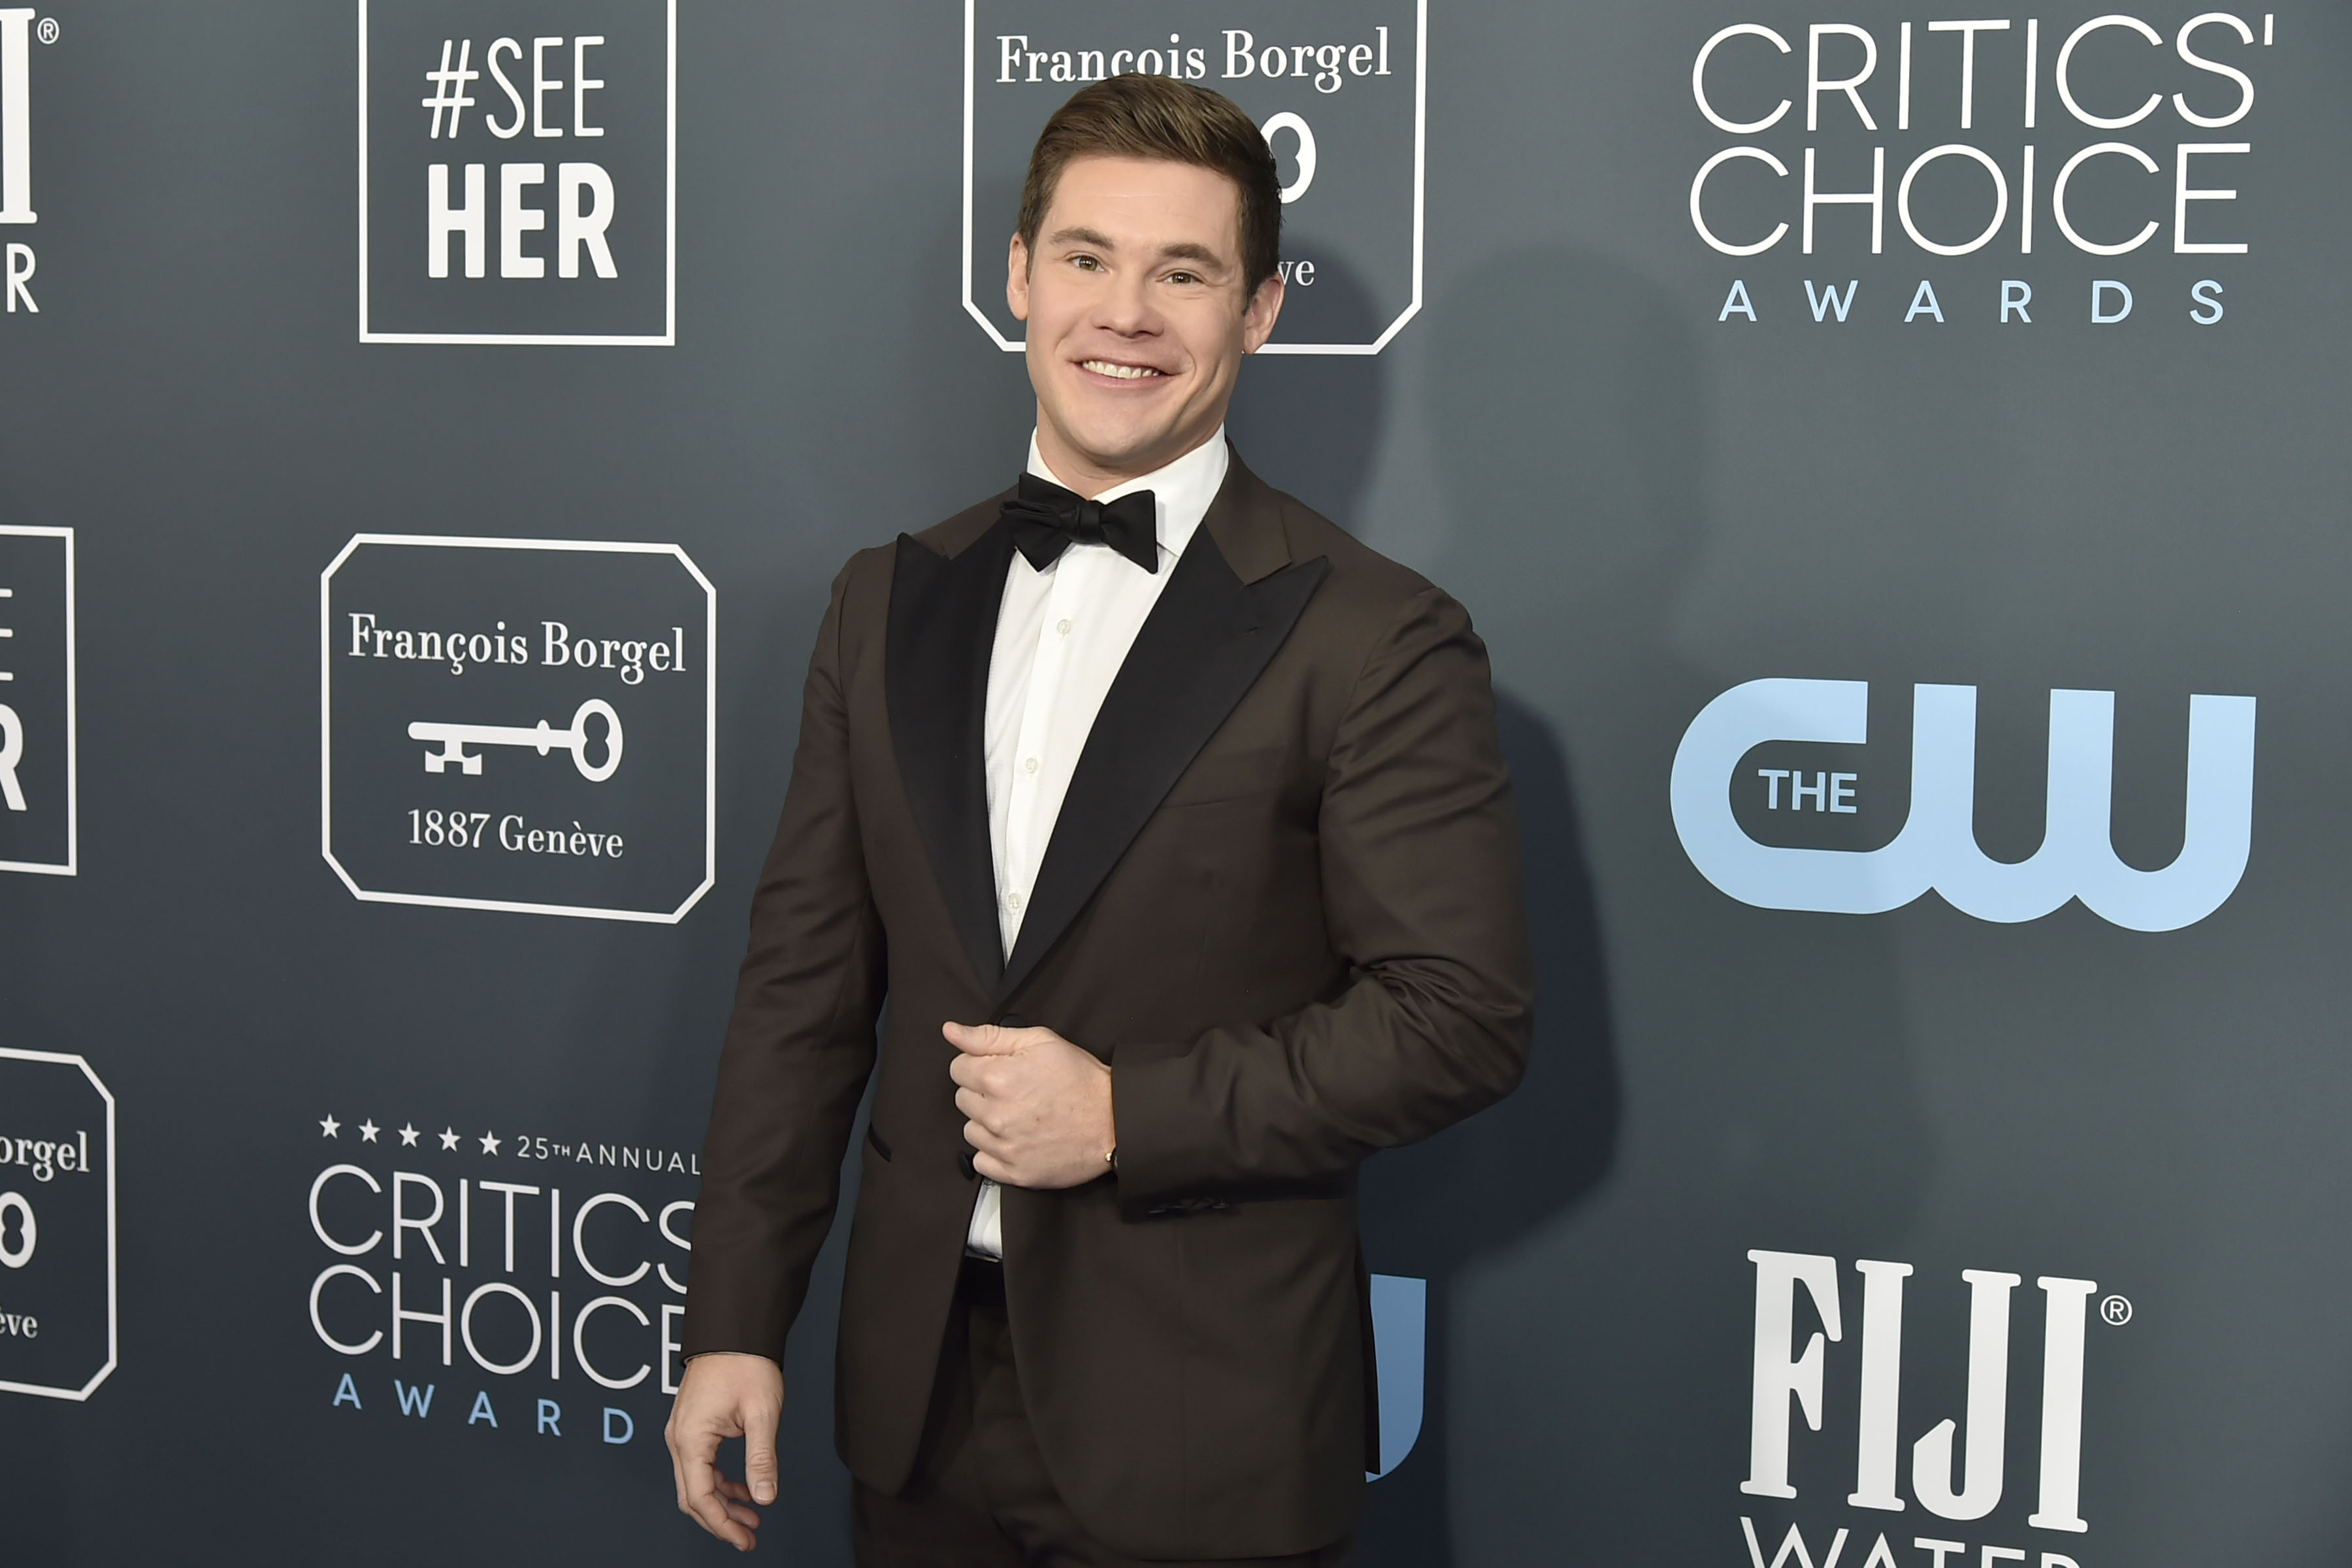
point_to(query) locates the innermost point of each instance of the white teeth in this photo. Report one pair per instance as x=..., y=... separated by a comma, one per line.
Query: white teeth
x=1121, y=371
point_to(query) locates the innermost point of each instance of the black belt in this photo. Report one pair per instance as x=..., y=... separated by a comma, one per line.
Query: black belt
x=982, y=1280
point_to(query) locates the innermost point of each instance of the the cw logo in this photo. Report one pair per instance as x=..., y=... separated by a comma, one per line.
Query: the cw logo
x=1781, y=1379
x=1938, y=847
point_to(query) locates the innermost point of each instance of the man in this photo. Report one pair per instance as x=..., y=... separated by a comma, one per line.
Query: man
x=1172, y=823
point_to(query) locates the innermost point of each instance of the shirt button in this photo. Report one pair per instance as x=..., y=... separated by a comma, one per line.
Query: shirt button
x=1030, y=766
x=1013, y=902
x=1063, y=627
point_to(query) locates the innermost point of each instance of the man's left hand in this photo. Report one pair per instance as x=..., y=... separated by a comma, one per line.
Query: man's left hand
x=1039, y=1108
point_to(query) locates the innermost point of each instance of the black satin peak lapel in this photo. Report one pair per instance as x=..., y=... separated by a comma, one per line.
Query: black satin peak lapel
x=942, y=633
x=1201, y=648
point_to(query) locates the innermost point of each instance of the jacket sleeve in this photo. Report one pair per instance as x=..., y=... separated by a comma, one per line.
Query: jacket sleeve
x=799, y=1044
x=1422, y=901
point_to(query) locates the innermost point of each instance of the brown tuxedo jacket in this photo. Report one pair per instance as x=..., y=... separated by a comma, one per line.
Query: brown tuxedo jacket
x=1281, y=901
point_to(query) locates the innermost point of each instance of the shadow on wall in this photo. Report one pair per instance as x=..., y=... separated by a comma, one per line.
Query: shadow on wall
x=1311, y=424
x=1590, y=1373
x=1434, y=1209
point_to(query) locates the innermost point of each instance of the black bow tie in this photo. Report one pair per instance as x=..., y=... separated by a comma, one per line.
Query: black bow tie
x=1047, y=520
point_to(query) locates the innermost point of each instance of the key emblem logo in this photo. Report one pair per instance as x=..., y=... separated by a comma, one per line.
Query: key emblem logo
x=453, y=740
x=431, y=649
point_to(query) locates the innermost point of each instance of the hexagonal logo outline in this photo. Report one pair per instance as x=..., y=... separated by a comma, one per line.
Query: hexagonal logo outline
x=113, y=1324
x=512, y=906
x=1420, y=194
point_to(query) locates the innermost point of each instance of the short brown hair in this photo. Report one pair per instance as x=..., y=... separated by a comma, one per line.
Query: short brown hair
x=1139, y=116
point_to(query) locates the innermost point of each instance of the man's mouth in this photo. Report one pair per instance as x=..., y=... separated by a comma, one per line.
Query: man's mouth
x=1120, y=372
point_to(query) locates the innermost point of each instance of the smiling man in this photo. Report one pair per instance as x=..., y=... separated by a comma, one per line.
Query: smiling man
x=1172, y=825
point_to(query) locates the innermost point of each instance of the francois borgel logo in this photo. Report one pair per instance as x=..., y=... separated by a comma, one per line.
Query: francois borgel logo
x=525, y=194
x=1336, y=85
x=57, y=1225
x=38, y=782
x=1938, y=847
x=517, y=724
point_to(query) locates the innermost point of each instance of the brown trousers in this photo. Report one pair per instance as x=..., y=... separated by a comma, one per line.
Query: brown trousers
x=981, y=1496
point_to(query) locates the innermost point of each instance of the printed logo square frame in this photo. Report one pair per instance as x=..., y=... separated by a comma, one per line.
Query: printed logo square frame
x=70, y=864
x=666, y=338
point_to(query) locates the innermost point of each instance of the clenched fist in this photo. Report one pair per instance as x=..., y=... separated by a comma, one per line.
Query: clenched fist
x=1038, y=1108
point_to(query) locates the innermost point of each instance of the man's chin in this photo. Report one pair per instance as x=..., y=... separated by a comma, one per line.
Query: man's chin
x=1129, y=451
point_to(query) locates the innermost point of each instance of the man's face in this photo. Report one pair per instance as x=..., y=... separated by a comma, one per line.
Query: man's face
x=1137, y=315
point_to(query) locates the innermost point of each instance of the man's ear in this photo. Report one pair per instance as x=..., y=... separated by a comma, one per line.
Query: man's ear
x=1016, y=280
x=1258, y=320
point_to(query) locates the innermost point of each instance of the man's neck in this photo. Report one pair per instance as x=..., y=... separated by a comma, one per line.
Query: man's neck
x=1074, y=470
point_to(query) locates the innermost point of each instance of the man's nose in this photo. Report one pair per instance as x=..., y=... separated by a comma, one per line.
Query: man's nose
x=1128, y=309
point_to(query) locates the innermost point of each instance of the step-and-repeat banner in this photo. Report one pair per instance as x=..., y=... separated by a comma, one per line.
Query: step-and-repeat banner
x=1897, y=461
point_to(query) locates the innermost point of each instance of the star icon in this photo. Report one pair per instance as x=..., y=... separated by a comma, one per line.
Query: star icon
x=448, y=1139
x=328, y=1127
x=368, y=1130
x=408, y=1137
x=490, y=1144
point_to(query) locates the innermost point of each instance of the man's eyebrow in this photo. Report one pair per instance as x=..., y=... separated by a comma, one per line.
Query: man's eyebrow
x=1191, y=250
x=1179, y=250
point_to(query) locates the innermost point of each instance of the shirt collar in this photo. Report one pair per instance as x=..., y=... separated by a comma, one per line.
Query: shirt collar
x=1181, y=493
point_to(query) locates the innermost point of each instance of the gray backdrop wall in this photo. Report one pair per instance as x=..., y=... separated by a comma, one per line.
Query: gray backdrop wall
x=1917, y=610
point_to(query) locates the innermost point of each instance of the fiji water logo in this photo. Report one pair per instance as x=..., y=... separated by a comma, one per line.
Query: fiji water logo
x=1954, y=1477
x=1937, y=847
x=1950, y=1478
x=18, y=31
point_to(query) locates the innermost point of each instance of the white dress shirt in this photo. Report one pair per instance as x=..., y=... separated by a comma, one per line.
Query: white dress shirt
x=1061, y=636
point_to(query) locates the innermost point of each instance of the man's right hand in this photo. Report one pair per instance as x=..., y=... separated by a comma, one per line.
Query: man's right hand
x=726, y=1395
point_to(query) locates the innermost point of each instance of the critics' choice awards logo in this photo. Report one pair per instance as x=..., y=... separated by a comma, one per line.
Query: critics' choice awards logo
x=1336, y=85
x=37, y=701
x=519, y=724
x=517, y=171
x=473, y=1279
x=18, y=29
x=57, y=1225
x=2026, y=147
x=468, y=1276
x=1721, y=777
x=1960, y=1469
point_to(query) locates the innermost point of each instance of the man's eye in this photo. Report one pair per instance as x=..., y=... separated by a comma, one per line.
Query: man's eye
x=1086, y=263
x=1183, y=278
